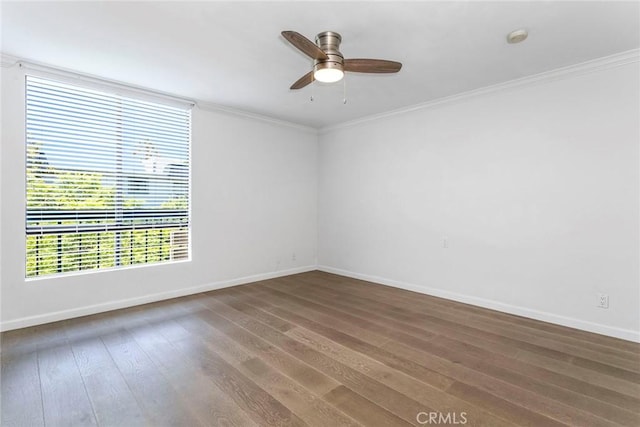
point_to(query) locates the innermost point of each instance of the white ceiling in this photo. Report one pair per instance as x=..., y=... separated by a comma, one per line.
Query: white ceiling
x=232, y=53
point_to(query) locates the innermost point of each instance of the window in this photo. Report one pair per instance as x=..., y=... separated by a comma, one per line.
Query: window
x=107, y=180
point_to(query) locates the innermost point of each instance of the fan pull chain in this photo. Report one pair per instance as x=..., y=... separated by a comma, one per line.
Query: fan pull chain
x=344, y=89
x=313, y=80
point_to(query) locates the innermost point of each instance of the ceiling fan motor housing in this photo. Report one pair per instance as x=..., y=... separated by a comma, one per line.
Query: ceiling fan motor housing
x=329, y=42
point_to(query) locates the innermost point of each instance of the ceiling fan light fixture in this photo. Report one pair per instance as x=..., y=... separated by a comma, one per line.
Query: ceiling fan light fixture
x=328, y=75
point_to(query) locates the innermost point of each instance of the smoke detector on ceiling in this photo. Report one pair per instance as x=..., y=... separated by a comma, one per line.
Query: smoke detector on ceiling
x=517, y=36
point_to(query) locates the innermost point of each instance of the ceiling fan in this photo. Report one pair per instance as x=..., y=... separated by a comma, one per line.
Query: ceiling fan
x=329, y=65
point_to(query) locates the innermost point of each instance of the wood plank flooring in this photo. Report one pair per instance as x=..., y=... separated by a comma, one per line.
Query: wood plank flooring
x=315, y=349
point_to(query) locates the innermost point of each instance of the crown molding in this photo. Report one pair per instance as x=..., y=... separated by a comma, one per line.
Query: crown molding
x=7, y=61
x=599, y=64
x=210, y=106
x=101, y=83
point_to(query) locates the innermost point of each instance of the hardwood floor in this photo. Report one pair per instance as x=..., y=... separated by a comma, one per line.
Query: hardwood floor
x=315, y=349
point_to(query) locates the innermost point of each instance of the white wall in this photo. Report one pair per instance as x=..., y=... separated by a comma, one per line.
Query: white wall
x=536, y=188
x=253, y=205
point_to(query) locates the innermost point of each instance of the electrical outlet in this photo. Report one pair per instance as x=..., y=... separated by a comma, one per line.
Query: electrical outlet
x=445, y=242
x=293, y=257
x=603, y=300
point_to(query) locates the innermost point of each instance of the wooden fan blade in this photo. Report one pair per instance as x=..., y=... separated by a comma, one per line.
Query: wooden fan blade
x=303, y=81
x=371, y=66
x=308, y=47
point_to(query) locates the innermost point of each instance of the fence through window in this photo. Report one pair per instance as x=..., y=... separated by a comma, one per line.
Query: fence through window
x=107, y=180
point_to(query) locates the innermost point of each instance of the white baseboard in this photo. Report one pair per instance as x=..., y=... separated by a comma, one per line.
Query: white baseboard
x=625, y=334
x=25, y=322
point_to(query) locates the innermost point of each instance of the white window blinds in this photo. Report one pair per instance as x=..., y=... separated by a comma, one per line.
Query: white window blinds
x=107, y=180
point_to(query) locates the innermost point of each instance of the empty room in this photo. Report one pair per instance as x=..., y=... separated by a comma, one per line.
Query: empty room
x=301, y=213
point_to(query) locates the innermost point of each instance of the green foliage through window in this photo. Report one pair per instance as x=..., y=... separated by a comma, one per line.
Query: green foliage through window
x=107, y=180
